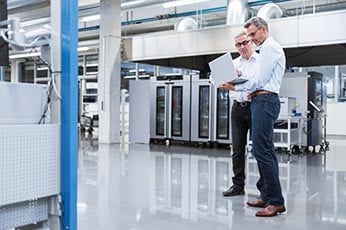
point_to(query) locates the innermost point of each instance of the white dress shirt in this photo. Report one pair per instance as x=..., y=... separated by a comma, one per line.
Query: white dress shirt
x=270, y=69
x=247, y=68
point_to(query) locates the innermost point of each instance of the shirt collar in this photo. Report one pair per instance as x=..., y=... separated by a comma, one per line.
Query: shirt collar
x=265, y=41
x=253, y=56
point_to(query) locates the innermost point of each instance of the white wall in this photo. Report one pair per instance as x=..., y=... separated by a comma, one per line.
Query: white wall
x=336, y=119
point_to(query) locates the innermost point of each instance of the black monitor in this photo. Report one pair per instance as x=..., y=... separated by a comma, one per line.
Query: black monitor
x=4, y=61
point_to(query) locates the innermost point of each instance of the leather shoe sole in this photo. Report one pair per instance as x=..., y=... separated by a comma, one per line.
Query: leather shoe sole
x=257, y=203
x=233, y=192
x=271, y=210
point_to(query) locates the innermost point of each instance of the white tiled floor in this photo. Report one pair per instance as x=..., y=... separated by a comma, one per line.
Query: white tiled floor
x=130, y=187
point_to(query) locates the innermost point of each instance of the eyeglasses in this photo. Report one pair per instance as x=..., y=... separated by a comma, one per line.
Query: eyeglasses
x=252, y=34
x=244, y=43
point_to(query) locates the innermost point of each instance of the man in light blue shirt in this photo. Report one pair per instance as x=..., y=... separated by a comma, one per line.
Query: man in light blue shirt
x=265, y=108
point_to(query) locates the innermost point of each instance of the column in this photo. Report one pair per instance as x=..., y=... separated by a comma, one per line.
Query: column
x=64, y=18
x=109, y=72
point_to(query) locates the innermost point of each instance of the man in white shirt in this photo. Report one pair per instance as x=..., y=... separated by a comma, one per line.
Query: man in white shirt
x=265, y=108
x=241, y=113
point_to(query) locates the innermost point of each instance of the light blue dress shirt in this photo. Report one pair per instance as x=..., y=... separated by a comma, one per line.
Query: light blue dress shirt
x=270, y=69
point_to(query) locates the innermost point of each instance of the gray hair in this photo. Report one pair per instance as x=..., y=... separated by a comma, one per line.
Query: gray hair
x=256, y=21
x=242, y=33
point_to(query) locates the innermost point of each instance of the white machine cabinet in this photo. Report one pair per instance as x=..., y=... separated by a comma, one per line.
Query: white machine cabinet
x=29, y=155
x=287, y=132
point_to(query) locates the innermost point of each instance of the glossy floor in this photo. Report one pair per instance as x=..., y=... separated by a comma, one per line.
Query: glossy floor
x=141, y=187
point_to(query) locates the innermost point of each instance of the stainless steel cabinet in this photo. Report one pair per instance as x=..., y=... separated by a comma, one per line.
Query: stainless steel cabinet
x=189, y=108
x=170, y=108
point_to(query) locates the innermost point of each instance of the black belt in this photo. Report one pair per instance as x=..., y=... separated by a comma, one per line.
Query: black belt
x=260, y=92
x=242, y=104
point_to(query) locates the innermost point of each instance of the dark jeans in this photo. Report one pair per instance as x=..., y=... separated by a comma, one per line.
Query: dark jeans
x=265, y=109
x=241, y=123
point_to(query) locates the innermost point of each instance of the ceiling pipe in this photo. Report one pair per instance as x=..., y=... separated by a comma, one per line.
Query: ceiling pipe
x=237, y=12
x=12, y=4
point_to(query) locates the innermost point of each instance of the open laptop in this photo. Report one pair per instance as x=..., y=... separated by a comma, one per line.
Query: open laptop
x=222, y=70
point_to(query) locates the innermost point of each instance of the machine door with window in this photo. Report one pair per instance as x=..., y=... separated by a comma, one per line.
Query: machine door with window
x=223, y=124
x=201, y=125
x=179, y=110
x=158, y=110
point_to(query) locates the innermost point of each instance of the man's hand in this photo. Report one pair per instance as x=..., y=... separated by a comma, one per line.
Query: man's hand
x=249, y=96
x=227, y=86
x=239, y=73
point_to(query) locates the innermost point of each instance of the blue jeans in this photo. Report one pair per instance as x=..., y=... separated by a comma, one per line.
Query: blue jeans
x=265, y=109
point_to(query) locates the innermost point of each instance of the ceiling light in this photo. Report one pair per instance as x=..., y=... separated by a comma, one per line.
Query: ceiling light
x=42, y=68
x=134, y=77
x=134, y=70
x=181, y=3
x=131, y=3
x=83, y=48
x=90, y=18
x=92, y=65
x=24, y=55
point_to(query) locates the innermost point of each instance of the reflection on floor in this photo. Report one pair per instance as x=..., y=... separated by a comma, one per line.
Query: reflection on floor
x=129, y=187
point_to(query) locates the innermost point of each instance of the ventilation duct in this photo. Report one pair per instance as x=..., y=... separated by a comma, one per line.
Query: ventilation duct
x=21, y=3
x=237, y=12
x=185, y=24
x=270, y=11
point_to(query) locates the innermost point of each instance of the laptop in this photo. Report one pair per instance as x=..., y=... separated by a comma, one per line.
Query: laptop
x=222, y=70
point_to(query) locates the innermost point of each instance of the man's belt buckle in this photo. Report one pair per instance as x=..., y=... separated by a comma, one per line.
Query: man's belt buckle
x=243, y=104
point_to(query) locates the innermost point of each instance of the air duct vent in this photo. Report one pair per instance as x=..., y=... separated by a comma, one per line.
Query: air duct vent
x=185, y=24
x=270, y=11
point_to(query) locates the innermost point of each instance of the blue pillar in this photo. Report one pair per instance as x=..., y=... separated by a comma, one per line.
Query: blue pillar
x=69, y=113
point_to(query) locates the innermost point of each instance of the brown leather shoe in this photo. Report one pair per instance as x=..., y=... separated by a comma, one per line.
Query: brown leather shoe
x=271, y=210
x=257, y=203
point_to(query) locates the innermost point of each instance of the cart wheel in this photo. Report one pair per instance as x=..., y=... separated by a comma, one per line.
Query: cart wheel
x=322, y=149
x=327, y=146
x=296, y=149
x=90, y=130
x=306, y=150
